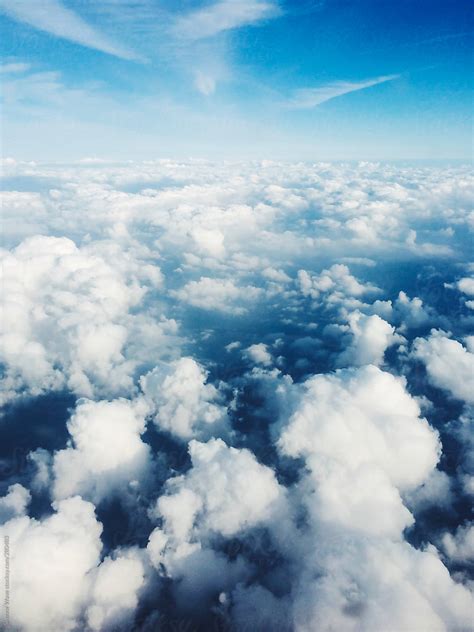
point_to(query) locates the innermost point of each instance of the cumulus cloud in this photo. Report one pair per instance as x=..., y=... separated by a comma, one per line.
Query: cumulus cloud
x=14, y=503
x=371, y=336
x=466, y=286
x=435, y=491
x=259, y=354
x=106, y=452
x=62, y=552
x=57, y=552
x=365, y=446
x=364, y=443
x=222, y=295
x=405, y=312
x=336, y=286
x=224, y=493
x=231, y=492
x=184, y=404
x=115, y=591
x=459, y=547
x=450, y=366
x=409, y=590
x=278, y=276
x=67, y=318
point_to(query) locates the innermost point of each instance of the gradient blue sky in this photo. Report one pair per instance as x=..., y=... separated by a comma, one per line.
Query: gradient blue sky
x=320, y=79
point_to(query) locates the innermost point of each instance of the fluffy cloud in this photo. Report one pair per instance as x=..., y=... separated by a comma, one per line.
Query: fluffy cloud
x=459, y=547
x=449, y=365
x=466, y=285
x=57, y=552
x=371, y=336
x=185, y=405
x=14, y=503
x=222, y=295
x=365, y=446
x=335, y=285
x=62, y=552
x=259, y=354
x=405, y=312
x=409, y=590
x=364, y=443
x=224, y=493
x=66, y=319
x=411, y=312
x=106, y=452
x=114, y=595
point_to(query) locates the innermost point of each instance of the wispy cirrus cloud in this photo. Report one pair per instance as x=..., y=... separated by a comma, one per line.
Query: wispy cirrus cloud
x=223, y=15
x=14, y=67
x=307, y=98
x=52, y=17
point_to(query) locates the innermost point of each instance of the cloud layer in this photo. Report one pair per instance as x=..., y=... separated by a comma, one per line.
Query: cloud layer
x=257, y=380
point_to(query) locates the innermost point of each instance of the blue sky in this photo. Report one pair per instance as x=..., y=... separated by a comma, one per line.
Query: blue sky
x=320, y=79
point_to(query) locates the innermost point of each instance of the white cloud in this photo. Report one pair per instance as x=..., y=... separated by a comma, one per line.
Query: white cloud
x=106, y=452
x=66, y=317
x=222, y=295
x=436, y=491
x=14, y=67
x=365, y=447
x=114, y=595
x=209, y=241
x=259, y=354
x=364, y=443
x=459, y=547
x=278, y=276
x=379, y=586
x=42, y=461
x=51, y=560
x=224, y=493
x=466, y=285
x=335, y=286
x=371, y=336
x=449, y=365
x=223, y=15
x=14, y=503
x=307, y=98
x=231, y=492
x=54, y=18
x=59, y=578
x=205, y=83
x=412, y=312
x=184, y=404
x=233, y=345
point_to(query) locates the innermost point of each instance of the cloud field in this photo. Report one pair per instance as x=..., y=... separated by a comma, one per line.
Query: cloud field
x=237, y=396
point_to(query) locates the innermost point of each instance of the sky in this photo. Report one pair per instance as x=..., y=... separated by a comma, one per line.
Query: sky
x=237, y=333
x=321, y=79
